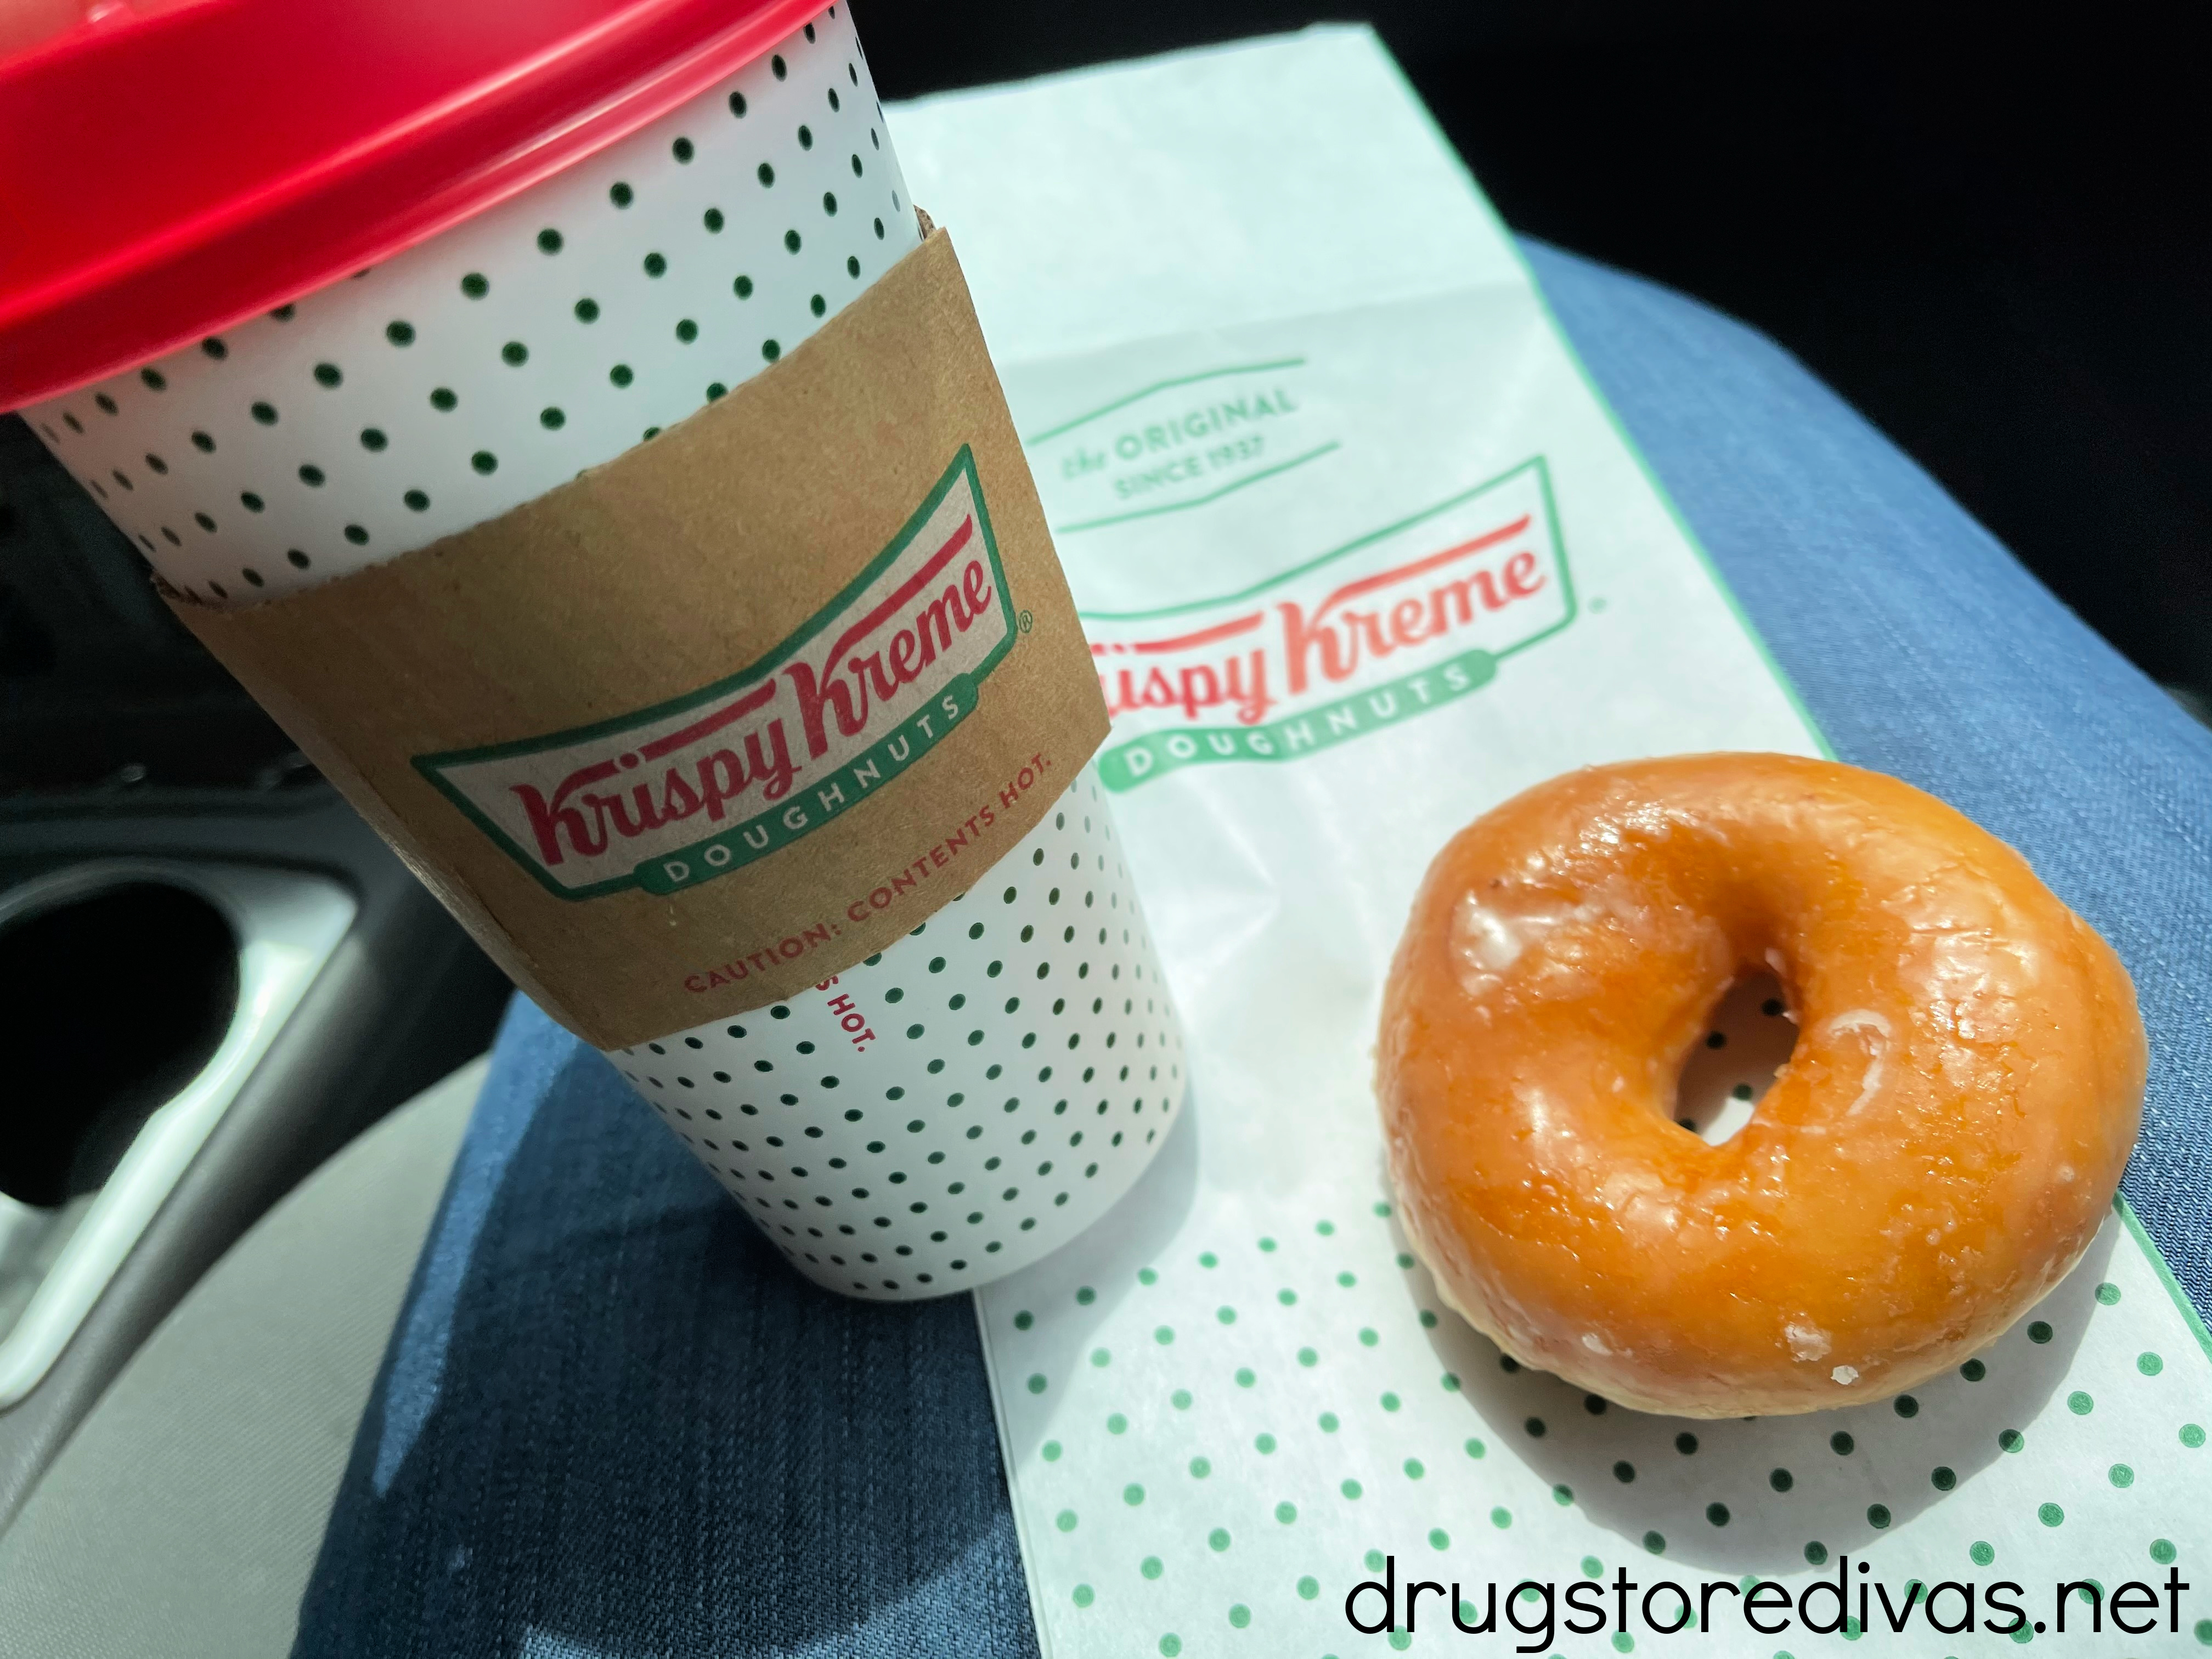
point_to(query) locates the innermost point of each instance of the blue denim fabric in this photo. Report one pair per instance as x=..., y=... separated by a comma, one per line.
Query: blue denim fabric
x=612, y=1423
x=1924, y=650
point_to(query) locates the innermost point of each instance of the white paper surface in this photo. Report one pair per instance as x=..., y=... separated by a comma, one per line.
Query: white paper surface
x=1291, y=394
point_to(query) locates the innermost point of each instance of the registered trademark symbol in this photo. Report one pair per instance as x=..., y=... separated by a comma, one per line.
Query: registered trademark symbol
x=1025, y=622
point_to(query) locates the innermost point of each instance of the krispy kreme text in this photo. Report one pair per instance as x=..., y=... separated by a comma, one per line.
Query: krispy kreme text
x=1388, y=626
x=686, y=791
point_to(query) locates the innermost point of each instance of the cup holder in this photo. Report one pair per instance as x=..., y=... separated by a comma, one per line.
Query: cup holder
x=121, y=996
x=140, y=995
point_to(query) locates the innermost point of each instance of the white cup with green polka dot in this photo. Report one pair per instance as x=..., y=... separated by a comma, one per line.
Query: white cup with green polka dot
x=961, y=1105
x=1023, y=1062
x=503, y=357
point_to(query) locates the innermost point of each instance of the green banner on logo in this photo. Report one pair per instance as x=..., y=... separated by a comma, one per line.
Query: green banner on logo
x=811, y=806
x=1126, y=765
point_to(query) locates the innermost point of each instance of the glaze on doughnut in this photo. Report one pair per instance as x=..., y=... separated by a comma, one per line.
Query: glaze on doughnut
x=1939, y=1150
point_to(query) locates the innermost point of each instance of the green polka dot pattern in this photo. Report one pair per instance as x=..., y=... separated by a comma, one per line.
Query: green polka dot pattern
x=1389, y=1428
x=501, y=337
x=960, y=1105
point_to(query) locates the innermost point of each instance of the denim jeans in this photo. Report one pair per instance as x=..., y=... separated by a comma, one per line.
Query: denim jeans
x=612, y=1423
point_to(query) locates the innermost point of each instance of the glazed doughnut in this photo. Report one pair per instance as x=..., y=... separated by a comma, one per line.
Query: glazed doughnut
x=1937, y=1153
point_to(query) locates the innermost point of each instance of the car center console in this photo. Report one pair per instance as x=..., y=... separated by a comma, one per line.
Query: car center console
x=212, y=973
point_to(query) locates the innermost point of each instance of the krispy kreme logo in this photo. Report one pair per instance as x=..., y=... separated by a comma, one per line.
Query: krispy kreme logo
x=1386, y=627
x=679, y=793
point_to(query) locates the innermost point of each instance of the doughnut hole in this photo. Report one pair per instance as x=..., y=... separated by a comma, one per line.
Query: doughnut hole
x=1748, y=1038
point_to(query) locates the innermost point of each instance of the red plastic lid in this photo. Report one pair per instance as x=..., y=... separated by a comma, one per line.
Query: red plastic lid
x=168, y=167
